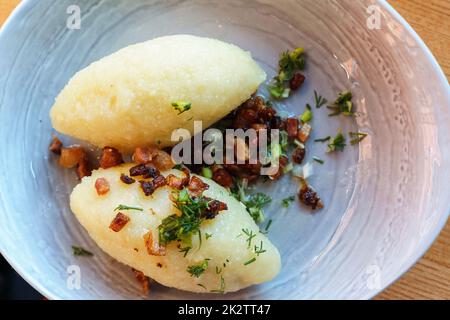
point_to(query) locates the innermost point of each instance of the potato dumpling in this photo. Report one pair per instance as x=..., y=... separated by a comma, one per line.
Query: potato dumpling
x=225, y=239
x=125, y=99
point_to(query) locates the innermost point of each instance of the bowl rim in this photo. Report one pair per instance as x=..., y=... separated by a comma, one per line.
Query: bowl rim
x=25, y=4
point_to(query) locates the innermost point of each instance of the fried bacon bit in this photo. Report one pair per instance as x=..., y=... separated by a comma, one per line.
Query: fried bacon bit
x=149, y=187
x=83, y=169
x=56, y=145
x=259, y=126
x=163, y=161
x=153, y=247
x=214, y=207
x=283, y=161
x=309, y=197
x=144, y=155
x=75, y=156
x=241, y=149
x=245, y=118
x=292, y=127
x=222, y=177
x=71, y=156
x=119, y=222
x=255, y=103
x=143, y=280
x=297, y=81
x=159, y=181
x=250, y=172
x=126, y=179
x=197, y=186
x=102, y=186
x=277, y=123
x=158, y=158
x=298, y=155
x=304, y=132
x=176, y=182
x=267, y=114
x=145, y=170
x=110, y=157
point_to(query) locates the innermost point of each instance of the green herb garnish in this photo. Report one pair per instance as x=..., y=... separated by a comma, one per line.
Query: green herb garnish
x=125, y=207
x=250, y=235
x=197, y=270
x=337, y=143
x=284, y=140
x=278, y=91
x=218, y=270
x=181, y=106
x=79, y=251
x=181, y=227
x=185, y=250
x=287, y=201
x=259, y=250
x=178, y=166
x=343, y=104
x=326, y=139
x=357, y=137
x=208, y=235
x=221, y=287
x=289, y=63
x=207, y=172
x=319, y=100
x=269, y=223
x=317, y=159
x=307, y=115
x=250, y=261
x=255, y=204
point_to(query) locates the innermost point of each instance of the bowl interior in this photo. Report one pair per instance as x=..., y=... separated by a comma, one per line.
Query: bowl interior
x=385, y=198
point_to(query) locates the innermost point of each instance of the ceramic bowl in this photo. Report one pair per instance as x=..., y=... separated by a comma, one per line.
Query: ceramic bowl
x=386, y=199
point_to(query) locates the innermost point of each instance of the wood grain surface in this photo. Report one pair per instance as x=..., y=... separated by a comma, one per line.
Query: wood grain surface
x=430, y=277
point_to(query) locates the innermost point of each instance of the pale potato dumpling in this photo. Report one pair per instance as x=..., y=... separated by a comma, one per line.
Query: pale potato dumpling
x=124, y=100
x=227, y=243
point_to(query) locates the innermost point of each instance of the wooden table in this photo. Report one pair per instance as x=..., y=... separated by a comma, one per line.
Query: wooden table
x=430, y=277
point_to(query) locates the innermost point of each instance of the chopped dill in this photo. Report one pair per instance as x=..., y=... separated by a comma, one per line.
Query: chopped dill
x=249, y=261
x=250, y=235
x=197, y=270
x=79, y=251
x=318, y=160
x=342, y=105
x=287, y=201
x=337, y=143
x=319, y=100
x=356, y=137
x=125, y=207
